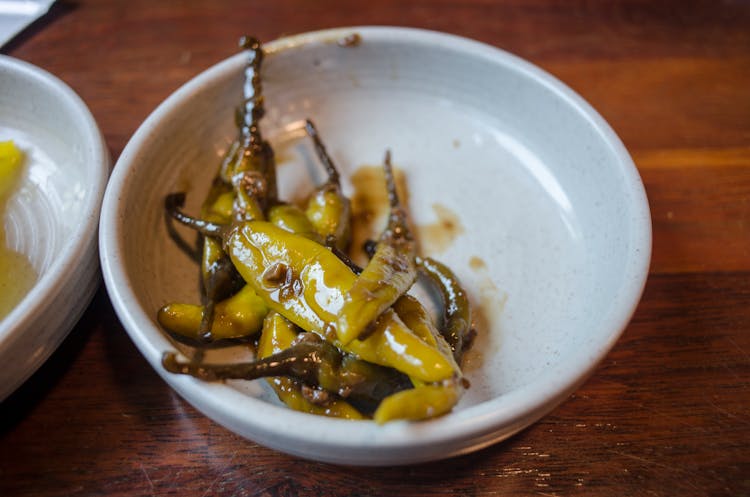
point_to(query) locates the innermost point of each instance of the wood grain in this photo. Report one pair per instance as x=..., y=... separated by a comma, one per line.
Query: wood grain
x=668, y=411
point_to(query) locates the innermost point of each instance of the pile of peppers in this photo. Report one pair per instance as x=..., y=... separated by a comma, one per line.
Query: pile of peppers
x=332, y=338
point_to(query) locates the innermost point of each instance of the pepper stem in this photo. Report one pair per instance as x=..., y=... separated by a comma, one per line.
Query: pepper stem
x=175, y=201
x=398, y=227
x=320, y=149
x=252, y=90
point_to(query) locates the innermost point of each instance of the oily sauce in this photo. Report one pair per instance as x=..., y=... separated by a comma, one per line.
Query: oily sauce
x=438, y=236
x=17, y=275
x=370, y=210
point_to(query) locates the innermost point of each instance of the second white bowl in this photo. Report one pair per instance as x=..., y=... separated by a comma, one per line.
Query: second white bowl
x=52, y=217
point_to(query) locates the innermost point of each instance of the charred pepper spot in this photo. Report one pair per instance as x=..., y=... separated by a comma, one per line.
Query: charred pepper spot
x=281, y=276
x=276, y=274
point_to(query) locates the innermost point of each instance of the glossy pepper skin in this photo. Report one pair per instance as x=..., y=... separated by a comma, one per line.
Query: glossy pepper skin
x=219, y=279
x=294, y=220
x=456, y=328
x=237, y=317
x=415, y=316
x=421, y=402
x=323, y=371
x=316, y=363
x=369, y=348
x=328, y=209
x=425, y=400
x=428, y=400
x=307, y=284
x=279, y=334
x=432, y=400
x=247, y=163
x=389, y=274
x=253, y=160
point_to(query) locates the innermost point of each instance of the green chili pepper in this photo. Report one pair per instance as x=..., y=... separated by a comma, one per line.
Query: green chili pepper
x=239, y=316
x=237, y=180
x=307, y=284
x=249, y=191
x=279, y=334
x=218, y=276
x=412, y=312
x=253, y=155
x=219, y=279
x=415, y=316
x=318, y=363
x=387, y=276
x=366, y=347
x=308, y=359
x=456, y=328
x=328, y=209
x=421, y=402
x=293, y=219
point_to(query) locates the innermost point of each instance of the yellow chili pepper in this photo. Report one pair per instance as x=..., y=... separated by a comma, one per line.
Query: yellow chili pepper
x=328, y=209
x=278, y=334
x=456, y=327
x=366, y=347
x=291, y=218
x=253, y=154
x=219, y=279
x=322, y=372
x=307, y=283
x=239, y=316
x=421, y=402
x=389, y=274
x=415, y=316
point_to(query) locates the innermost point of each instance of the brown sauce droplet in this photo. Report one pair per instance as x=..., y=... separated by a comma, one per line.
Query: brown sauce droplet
x=477, y=263
x=276, y=274
x=352, y=40
x=438, y=236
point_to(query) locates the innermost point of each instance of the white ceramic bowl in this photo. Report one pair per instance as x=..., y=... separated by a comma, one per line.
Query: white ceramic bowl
x=550, y=232
x=52, y=217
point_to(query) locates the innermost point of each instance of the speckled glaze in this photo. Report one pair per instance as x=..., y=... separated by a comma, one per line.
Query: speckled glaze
x=53, y=216
x=553, y=242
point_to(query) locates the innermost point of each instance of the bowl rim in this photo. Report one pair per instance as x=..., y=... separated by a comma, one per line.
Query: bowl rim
x=478, y=423
x=67, y=264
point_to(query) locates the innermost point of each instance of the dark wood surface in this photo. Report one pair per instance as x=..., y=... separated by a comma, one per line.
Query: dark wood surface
x=666, y=413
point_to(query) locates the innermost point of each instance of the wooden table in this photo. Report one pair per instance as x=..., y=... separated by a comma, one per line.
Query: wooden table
x=667, y=412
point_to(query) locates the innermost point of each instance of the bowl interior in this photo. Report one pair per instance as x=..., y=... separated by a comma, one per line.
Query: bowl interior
x=511, y=180
x=51, y=199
